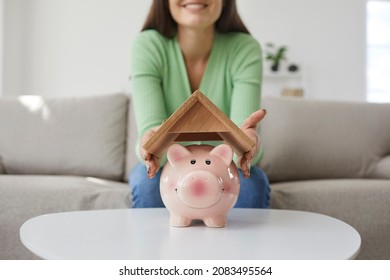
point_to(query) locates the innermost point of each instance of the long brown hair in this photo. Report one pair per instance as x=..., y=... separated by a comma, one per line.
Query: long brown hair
x=160, y=19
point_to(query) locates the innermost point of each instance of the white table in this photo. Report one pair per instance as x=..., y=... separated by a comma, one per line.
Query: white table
x=146, y=234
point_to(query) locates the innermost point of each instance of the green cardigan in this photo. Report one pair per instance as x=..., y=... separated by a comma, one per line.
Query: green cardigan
x=232, y=79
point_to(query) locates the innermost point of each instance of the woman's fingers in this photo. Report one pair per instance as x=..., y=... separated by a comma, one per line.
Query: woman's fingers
x=254, y=119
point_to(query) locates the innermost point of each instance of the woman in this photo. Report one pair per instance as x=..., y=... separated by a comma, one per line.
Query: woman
x=196, y=44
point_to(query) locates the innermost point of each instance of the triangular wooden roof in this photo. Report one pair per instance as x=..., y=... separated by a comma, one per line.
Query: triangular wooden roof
x=198, y=119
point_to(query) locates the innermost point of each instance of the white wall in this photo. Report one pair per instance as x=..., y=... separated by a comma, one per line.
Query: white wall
x=327, y=37
x=1, y=44
x=67, y=47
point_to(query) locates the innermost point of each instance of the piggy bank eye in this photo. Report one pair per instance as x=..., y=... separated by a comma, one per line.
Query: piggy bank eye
x=193, y=161
x=208, y=162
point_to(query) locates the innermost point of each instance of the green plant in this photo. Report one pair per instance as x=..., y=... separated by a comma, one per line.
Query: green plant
x=275, y=55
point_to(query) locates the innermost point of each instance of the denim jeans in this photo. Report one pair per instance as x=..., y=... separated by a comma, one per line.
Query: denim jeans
x=254, y=191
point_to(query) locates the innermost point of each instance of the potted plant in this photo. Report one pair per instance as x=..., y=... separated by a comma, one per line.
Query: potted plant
x=275, y=55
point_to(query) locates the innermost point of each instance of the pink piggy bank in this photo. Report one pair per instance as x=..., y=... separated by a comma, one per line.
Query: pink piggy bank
x=199, y=182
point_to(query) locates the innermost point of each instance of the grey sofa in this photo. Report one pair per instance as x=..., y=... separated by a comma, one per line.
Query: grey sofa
x=59, y=154
x=69, y=154
x=332, y=158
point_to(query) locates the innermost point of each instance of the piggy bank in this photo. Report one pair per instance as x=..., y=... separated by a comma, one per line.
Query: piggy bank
x=199, y=182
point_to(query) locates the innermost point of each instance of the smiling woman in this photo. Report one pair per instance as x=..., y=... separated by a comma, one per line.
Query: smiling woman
x=186, y=45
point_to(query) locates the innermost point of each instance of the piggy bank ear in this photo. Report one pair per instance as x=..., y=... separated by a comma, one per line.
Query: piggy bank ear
x=176, y=152
x=225, y=152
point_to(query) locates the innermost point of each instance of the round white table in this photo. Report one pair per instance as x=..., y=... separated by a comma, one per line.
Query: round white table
x=145, y=234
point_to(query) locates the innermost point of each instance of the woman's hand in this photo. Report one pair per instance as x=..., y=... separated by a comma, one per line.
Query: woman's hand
x=152, y=162
x=249, y=128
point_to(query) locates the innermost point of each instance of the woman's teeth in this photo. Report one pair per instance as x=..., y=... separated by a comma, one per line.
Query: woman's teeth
x=195, y=6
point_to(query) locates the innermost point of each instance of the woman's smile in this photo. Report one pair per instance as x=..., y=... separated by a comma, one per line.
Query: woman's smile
x=195, y=6
x=195, y=13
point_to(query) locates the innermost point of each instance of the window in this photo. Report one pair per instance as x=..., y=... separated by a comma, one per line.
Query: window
x=378, y=51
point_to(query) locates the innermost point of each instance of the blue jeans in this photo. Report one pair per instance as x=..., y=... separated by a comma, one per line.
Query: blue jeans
x=254, y=191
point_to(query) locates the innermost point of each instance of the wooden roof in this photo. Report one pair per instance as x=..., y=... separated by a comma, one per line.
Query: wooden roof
x=198, y=119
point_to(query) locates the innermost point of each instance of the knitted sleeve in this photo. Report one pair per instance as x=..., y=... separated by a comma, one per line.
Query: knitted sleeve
x=147, y=59
x=246, y=72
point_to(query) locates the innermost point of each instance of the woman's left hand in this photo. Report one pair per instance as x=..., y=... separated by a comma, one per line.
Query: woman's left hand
x=249, y=128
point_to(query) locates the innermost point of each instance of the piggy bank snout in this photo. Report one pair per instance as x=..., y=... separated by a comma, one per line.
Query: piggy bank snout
x=200, y=189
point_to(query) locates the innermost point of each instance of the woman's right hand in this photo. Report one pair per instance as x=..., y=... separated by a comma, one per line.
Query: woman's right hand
x=152, y=162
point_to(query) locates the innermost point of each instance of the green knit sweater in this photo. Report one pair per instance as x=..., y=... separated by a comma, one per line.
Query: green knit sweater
x=232, y=79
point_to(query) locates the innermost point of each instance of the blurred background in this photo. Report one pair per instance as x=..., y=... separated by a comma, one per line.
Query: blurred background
x=82, y=47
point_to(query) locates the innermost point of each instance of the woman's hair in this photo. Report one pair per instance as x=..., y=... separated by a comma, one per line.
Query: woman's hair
x=160, y=19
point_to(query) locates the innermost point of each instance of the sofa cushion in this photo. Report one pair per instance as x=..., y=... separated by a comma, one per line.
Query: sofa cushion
x=64, y=135
x=26, y=196
x=362, y=203
x=307, y=139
